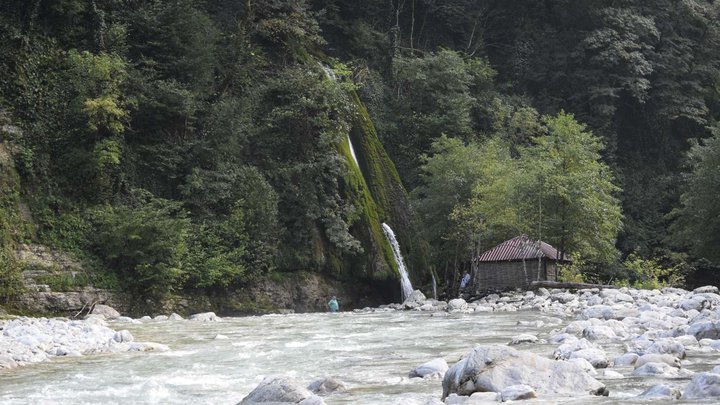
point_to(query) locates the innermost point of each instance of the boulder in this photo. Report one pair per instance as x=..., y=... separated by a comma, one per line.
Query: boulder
x=703, y=385
x=415, y=300
x=599, y=332
x=494, y=368
x=626, y=360
x=517, y=392
x=656, y=370
x=661, y=391
x=175, y=317
x=706, y=289
x=161, y=318
x=205, y=317
x=478, y=398
x=598, y=311
x=283, y=390
x=326, y=386
x=524, y=338
x=457, y=304
x=123, y=336
x=435, y=368
x=595, y=356
x=668, y=359
x=705, y=330
x=105, y=310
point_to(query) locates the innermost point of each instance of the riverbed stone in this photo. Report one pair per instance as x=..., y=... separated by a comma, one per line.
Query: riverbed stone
x=457, y=304
x=661, y=391
x=326, y=386
x=656, y=370
x=702, y=386
x=524, y=338
x=105, y=310
x=205, y=317
x=668, y=359
x=493, y=368
x=435, y=368
x=281, y=390
x=705, y=330
x=626, y=360
x=516, y=393
x=123, y=336
x=706, y=289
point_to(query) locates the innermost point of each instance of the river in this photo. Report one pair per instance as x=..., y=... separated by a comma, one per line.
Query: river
x=372, y=353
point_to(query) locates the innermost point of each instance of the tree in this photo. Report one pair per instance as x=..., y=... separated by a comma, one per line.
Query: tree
x=573, y=192
x=697, y=220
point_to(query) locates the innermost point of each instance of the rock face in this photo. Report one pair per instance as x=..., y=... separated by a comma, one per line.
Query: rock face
x=281, y=390
x=494, y=368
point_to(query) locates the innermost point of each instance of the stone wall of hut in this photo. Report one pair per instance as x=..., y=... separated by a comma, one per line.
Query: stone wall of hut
x=491, y=276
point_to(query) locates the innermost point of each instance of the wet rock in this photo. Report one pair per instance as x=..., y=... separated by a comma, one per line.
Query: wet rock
x=703, y=385
x=661, y=391
x=160, y=318
x=326, y=386
x=599, y=332
x=516, y=393
x=668, y=359
x=105, y=310
x=279, y=389
x=705, y=330
x=205, y=317
x=656, y=370
x=595, y=356
x=175, y=317
x=626, y=360
x=494, y=368
x=706, y=289
x=563, y=297
x=524, y=338
x=457, y=304
x=478, y=398
x=415, y=300
x=598, y=311
x=435, y=368
x=123, y=336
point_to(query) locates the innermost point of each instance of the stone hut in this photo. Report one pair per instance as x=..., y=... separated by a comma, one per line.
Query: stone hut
x=514, y=264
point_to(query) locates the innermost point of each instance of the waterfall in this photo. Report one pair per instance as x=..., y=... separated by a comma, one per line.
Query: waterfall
x=405, y=285
x=330, y=74
x=434, y=285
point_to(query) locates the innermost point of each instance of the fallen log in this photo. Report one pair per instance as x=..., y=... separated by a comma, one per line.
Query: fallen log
x=570, y=286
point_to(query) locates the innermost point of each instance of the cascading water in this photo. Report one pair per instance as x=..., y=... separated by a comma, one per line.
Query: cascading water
x=405, y=285
x=333, y=77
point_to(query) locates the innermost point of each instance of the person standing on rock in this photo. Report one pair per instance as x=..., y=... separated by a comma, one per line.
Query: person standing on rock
x=333, y=304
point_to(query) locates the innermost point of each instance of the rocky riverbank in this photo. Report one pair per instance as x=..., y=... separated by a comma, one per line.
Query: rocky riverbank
x=610, y=334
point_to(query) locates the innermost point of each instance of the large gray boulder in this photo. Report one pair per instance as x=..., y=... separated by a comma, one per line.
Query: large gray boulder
x=494, y=368
x=705, y=330
x=280, y=390
x=457, y=304
x=415, y=300
x=703, y=385
x=661, y=391
x=105, y=310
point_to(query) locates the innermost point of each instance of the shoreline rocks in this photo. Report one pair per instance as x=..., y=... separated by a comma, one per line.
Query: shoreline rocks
x=32, y=340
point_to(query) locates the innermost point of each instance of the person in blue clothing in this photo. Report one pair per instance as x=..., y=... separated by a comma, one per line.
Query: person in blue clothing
x=465, y=282
x=333, y=304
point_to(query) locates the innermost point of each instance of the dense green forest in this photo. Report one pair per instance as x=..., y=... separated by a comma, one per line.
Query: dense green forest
x=177, y=144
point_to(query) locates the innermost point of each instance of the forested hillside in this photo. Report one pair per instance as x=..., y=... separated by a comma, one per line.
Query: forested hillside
x=176, y=145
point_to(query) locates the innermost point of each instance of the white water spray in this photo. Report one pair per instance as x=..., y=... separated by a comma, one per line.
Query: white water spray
x=405, y=285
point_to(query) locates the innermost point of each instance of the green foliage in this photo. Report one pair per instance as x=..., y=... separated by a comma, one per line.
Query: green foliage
x=697, y=220
x=648, y=274
x=577, y=208
x=144, y=242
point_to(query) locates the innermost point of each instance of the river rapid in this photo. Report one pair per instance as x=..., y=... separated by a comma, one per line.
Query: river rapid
x=221, y=362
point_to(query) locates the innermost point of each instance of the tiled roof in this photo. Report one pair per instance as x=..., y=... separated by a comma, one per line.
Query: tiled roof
x=519, y=248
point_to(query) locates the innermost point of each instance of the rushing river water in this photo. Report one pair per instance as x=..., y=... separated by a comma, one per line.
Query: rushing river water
x=371, y=353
